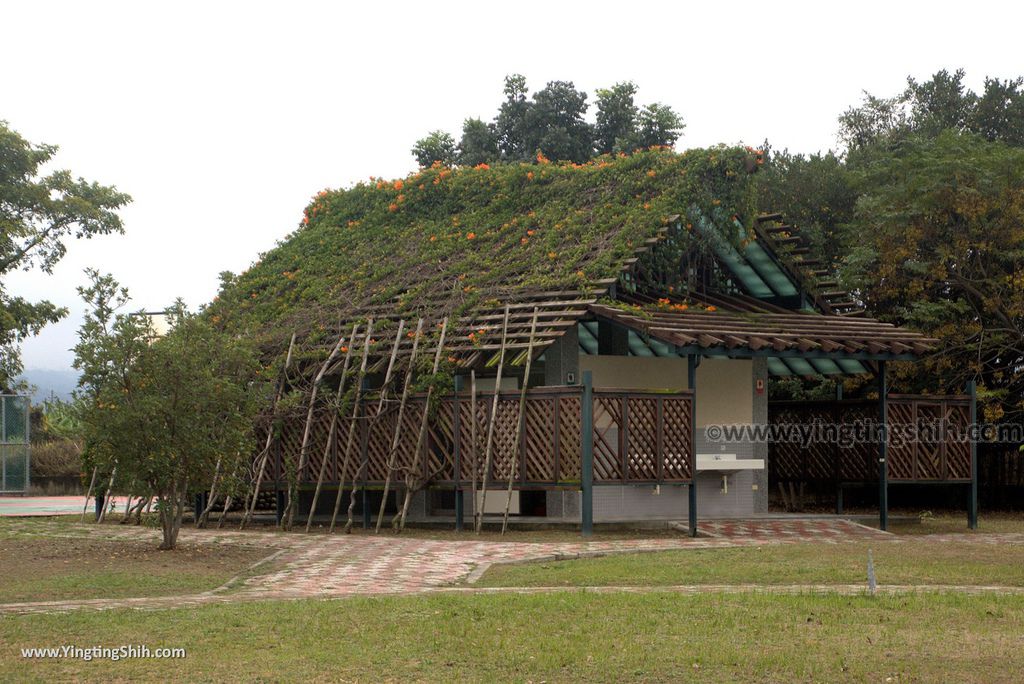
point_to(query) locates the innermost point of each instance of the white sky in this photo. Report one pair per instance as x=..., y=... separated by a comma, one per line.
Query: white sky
x=222, y=119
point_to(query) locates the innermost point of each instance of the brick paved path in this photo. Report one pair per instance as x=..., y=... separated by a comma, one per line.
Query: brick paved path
x=323, y=566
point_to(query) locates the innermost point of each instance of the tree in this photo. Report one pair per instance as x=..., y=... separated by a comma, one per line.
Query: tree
x=940, y=226
x=555, y=123
x=511, y=123
x=616, y=116
x=163, y=412
x=941, y=103
x=37, y=214
x=657, y=125
x=438, y=146
x=479, y=144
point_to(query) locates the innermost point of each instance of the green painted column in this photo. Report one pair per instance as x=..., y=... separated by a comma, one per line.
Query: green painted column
x=587, y=457
x=972, y=492
x=883, y=449
x=691, y=383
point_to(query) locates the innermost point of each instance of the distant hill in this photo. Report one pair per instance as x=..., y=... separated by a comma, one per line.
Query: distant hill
x=56, y=383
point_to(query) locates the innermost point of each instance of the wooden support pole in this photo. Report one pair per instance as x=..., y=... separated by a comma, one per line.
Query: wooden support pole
x=488, y=450
x=519, y=421
x=972, y=492
x=293, y=487
x=333, y=427
x=883, y=448
x=412, y=478
x=106, y=495
x=265, y=454
x=474, y=451
x=587, y=456
x=691, y=383
x=457, y=431
x=381, y=400
x=88, y=494
x=353, y=423
x=396, y=438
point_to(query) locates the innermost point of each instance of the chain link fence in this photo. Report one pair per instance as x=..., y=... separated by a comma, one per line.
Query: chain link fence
x=14, y=443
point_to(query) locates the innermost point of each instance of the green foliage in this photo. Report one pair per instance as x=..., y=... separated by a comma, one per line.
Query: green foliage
x=162, y=412
x=552, y=122
x=939, y=104
x=941, y=224
x=438, y=146
x=37, y=214
x=479, y=144
x=469, y=234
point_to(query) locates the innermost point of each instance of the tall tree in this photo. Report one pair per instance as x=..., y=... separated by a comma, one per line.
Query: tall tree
x=479, y=144
x=437, y=146
x=556, y=126
x=512, y=123
x=657, y=125
x=38, y=213
x=616, y=116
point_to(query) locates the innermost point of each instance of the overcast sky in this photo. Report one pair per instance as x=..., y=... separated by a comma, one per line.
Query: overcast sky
x=222, y=119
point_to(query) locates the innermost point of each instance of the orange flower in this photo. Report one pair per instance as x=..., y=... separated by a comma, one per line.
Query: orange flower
x=552, y=255
x=344, y=350
x=400, y=198
x=711, y=308
x=398, y=184
x=471, y=236
x=305, y=221
x=647, y=205
x=529, y=175
x=392, y=207
x=541, y=159
x=380, y=184
x=482, y=167
x=433, y=238
x=531, y=232
x=664, y=302
x=523, y=241
x=411, y=334
x=651, y=174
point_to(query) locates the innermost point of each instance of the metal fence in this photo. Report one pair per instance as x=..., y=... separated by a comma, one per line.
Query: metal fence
x=14, y=443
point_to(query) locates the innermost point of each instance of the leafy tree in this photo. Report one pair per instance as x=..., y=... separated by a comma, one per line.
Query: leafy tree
x=616, y=116
x=438, y=146
x=940, y=226
x=512, y=123
x=479, y=144
x=162, y=412
x=555, y=123
x=658, y=125
x=931, y=107
x=37, y=214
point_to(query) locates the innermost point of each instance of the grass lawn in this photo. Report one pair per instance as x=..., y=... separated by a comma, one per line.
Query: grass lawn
x=37, y=566
x=560, y=637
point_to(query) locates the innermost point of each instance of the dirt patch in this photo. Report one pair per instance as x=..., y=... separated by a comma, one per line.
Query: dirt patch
x=44, y=568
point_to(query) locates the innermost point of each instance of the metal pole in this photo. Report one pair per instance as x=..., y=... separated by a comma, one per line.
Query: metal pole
x=691, y=383
x=883, y=448
x=587, y=461
x=972, y=492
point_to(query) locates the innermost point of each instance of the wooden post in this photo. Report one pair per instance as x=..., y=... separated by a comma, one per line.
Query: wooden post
x=474, y=451
x=691, y=383
x=333, y=428
x=88, y=494
x=883, y=449
x=456, y=430
x=490, y=423
x=396, y=438
x=363, y=446
x=353, y=422
x=265, y=454
x=412, y=477
x=587, y=456
x=972, y=492
x=293, y=487
x=519, y=420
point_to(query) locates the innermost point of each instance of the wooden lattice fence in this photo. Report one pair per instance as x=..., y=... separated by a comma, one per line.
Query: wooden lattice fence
x=638, y=437
x=928, y=440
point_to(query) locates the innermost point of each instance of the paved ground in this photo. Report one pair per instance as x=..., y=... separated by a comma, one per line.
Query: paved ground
x=331, y=566
x=22, y=506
